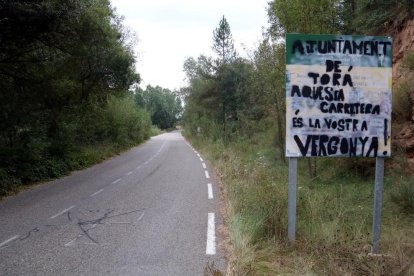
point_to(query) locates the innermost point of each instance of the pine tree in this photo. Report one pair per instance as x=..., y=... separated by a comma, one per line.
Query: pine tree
x=223, y=44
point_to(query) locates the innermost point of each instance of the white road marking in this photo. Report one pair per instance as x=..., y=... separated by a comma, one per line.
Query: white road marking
x=198, y=155
x=210, y=191
x=95, y=244
x=70, y=243
x=95, y=193
x=137, y=168
x=129, y=173
x=116, y=181
x=211, y=235
x=62, y=212
x=140, y=217
x=9, y=240
x=196, y=152
x=201, y=159
x=207, y=175
x=204, y=165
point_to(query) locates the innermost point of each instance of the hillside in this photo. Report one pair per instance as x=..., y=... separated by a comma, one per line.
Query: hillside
x=403, y=35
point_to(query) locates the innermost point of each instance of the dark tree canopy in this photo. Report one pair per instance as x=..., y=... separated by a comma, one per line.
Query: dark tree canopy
x=65, y=71
x=56, y=54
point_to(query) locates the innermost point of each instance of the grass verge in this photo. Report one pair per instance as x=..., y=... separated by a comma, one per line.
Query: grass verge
x=334, y=213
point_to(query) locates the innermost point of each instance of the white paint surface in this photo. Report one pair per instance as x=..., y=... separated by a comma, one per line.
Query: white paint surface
x=9, y=240
x=211, y=235
x=62, y=212
x=210, y=191
x=98, y=192
x=116, y=181
x=207, y=175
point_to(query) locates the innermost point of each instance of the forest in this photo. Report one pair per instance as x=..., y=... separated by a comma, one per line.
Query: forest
x=235, y=114
x=69, y=93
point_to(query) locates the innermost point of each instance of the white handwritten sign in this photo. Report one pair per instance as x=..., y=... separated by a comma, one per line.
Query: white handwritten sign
x=338, y=95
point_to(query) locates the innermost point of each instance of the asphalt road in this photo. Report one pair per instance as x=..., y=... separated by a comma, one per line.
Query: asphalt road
x=149, y=211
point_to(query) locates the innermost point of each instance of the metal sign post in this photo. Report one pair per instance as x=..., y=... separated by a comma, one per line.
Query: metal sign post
x=376, y=224
x=293, y=179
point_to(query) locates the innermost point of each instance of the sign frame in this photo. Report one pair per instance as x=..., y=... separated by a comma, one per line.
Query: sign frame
x=318, y=75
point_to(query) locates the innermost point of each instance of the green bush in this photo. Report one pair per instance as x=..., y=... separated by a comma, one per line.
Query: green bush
x=155, y=131
x=8, y=183
x=125, y=122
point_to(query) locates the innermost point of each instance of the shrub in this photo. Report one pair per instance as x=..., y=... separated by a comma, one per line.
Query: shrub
x=126, y=123
x=8, y=183
x=155, y=131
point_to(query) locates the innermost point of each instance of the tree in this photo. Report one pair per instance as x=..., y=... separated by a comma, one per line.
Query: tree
x=299, y=16
x=218, y=90
x=269, y=86
x=163, y=105
x=223, y=44
x=61, y=65
x=55, y=55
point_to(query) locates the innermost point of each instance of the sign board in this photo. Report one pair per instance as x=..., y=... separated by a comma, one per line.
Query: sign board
x=338, y=95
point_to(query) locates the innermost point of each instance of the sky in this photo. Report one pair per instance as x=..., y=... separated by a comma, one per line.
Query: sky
x=169, y=31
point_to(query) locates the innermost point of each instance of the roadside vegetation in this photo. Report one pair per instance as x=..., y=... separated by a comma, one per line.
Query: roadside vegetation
x=163, y=105
x=66, y=72
x=234, y=114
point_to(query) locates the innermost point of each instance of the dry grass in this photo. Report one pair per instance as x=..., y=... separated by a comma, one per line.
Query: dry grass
x=210, y=270
x=333, y=223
